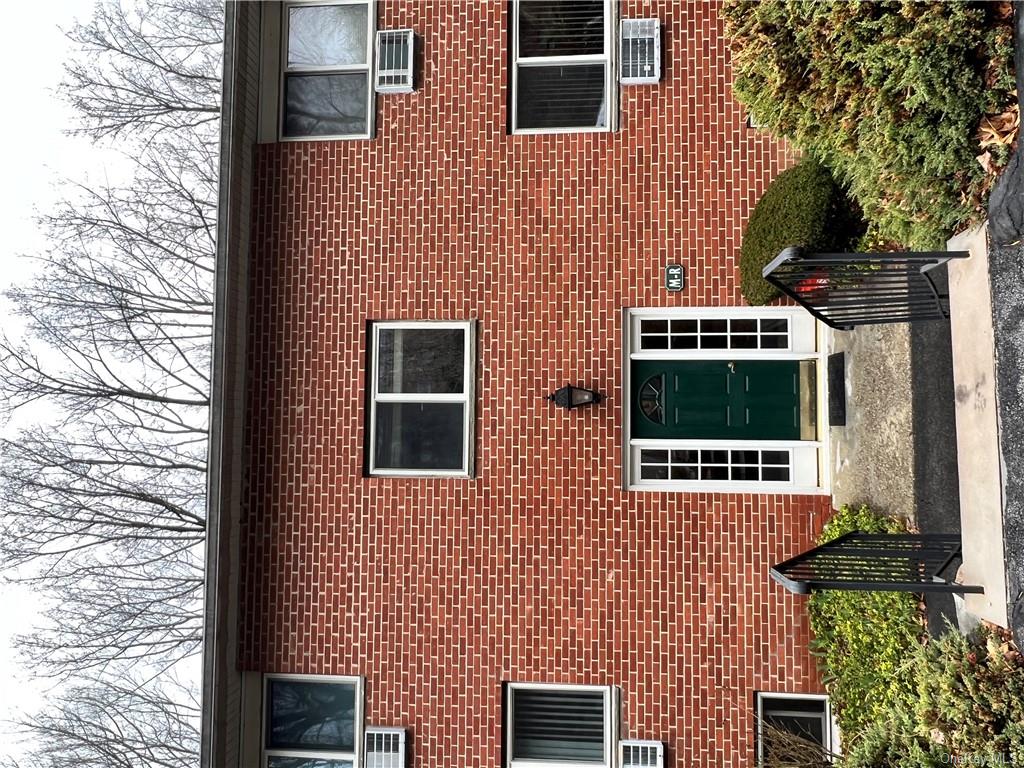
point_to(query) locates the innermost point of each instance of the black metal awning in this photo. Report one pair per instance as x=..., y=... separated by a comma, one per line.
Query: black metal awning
x=908, y=562
x=844, y=290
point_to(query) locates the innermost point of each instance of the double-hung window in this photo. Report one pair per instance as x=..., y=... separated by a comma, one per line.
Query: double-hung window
x=325, y=75
x=312, y=721
x=560, y=726
x=421, y=384
x=562, y=78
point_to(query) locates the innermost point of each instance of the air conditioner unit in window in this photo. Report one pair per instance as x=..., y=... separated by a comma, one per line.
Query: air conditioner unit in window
x=635, y=753
x=394, y=61
x=385, y=747
x=639, y=51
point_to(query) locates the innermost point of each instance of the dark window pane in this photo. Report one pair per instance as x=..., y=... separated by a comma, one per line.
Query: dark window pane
x=568, y=96
x=684, y=457
x=421, y=360
x=744, y=342
x=714, y=473
x=684, y=326
x=744, y=457
x=774, y=326
x=654, y=342
x=714, y=342
x=653, y=457
x=774, y=704
x=654, y=326
x=684, y=473
x=775, y=457
x=276, y=761
x=566, y=726
x=713, y=326
x=684, y=342
x=745, y=473
x=307, y=714
x=714, y=457
x=654, y=472
x=774, y=342
x=325, y=105
x=744, y=326
x=326, y=35
x=775, y=474
x=419, y=436
x=561, y=27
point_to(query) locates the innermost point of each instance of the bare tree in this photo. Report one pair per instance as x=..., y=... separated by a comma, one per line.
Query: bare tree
x=102, y=490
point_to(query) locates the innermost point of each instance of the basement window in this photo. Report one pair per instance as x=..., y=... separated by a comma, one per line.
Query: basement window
x=559, y=725
x=312, y=721
x=326, y=91
x=421, y=387
x=562, y=78
x=787, y=720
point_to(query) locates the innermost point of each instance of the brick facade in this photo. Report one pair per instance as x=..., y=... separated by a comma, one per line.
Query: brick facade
x=542, y=568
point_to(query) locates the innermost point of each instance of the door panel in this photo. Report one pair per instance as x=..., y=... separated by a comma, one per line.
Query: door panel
x=715, y=399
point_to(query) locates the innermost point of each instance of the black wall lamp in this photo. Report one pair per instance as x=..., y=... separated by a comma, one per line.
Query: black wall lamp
x=574, y=397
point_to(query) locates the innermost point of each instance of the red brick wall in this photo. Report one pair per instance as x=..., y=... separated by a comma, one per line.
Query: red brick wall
x=541, y=568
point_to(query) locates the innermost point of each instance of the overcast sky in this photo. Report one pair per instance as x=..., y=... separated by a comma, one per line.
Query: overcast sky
x=36, y=155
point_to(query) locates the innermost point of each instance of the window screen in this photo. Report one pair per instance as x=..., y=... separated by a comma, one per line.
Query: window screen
x=565, y=725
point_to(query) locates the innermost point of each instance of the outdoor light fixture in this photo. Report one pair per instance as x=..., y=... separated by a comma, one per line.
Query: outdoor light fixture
x=574, y=397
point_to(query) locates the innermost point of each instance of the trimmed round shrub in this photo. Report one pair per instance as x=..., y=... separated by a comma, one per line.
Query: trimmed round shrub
x=804, y=206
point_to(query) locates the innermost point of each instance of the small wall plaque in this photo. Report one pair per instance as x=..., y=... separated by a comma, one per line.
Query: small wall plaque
x=674, y=277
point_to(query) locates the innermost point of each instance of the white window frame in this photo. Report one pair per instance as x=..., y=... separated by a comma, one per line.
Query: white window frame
x=807, y=469
x=467, y=396
x=313, y=754
x=608, y=58
x=611, y=725
x=830, y=727
x=368, y=68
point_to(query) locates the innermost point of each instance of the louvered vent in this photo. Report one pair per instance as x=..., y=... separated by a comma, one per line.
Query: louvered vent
x=394, y=61
x=640, y=51
x=641, y=754
x=385, y=747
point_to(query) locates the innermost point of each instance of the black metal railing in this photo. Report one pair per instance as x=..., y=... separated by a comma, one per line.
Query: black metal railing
x=875, y=562
x=845, y=290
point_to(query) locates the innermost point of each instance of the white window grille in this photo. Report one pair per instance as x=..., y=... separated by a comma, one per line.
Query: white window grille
x=639, y=51
x=326, y=91
x=637, y=753
x=562, y=78
x=568, y=726
x=385, y=747
x=716, y=464
x=312, y=719
x=395, y=61
x=422, y=394
x=735, y=333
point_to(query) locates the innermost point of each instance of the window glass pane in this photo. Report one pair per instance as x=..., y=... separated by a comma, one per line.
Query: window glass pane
x=561, y=27
x=654, y=326
x=325, y=105
x=744, y=457
x=654, y=342
x=744, y=342
x=775, y=457
x=276, y=761
x=567, y=96
x=775, y=474
x=684, y=457
x=714, y=457
x=744, y=326
x=421, y=360
x=653, y=457
x=714, y=342
x=654, y=472
x=744, y=473
x=684, y=473
x=774, y=342
x=419, y=436
x=684, y=342
x=774, y=325
x=307, y=714
x=684, y=326
x=714, y=473
x=326, y=35
x=566, y=726
x=713, y=326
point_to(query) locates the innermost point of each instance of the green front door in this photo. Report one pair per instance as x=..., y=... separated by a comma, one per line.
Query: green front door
x=716, y=400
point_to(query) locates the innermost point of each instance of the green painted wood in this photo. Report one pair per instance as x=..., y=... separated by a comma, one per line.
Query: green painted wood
x=715, y=399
